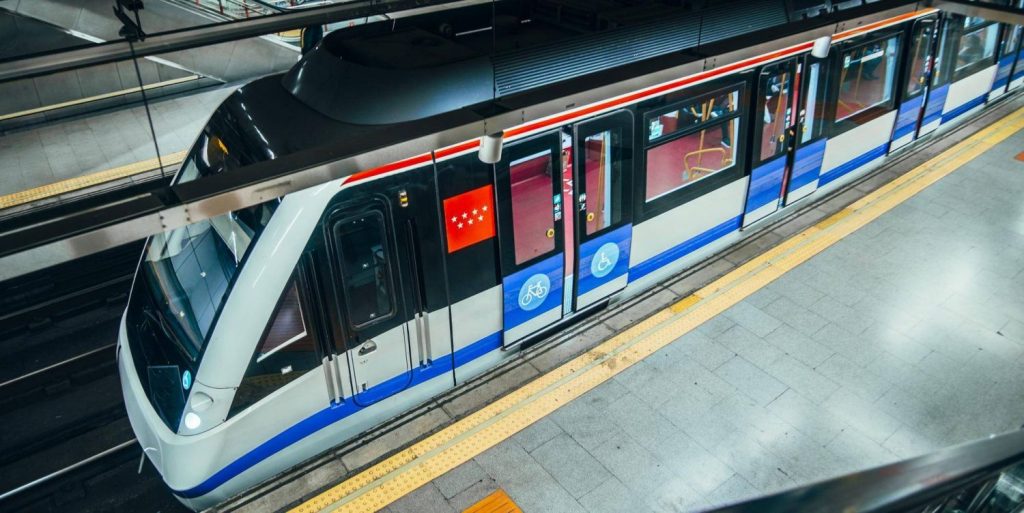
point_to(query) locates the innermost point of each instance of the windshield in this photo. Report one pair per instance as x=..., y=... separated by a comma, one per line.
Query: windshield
x=182, y=283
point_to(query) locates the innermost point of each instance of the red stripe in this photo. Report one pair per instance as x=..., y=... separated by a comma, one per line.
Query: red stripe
x=387, y=168
x=635, y=96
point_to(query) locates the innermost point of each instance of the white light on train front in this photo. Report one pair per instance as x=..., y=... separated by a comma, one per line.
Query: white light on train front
x=821, y=47
x=192, y=420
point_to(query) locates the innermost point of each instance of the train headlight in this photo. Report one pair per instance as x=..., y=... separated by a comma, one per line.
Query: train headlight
x=192, y=421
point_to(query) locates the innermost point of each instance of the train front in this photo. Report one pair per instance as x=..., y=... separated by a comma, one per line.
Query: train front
x=183, y=281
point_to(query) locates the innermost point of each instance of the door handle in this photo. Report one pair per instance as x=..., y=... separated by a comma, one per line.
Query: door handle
x=368, y=347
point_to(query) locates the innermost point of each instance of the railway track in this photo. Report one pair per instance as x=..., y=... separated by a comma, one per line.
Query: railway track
x=67, y=442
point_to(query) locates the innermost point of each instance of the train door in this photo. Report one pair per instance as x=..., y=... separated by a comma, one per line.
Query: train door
x=603, y=163
x=807, y=148
x=1008, y=42
x=939, y=78
x=1017, y=51
x=371, y=313
x=531, y=238
x=774, y=120
x=911, y=111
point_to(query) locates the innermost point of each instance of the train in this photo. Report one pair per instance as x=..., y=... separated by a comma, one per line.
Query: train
x=608, y=150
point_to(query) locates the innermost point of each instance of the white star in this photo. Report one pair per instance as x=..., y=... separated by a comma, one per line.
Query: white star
x=485, y=208
x=460, y=226
x=470, y=221
x=465, y=215
x=454, y=218
x=474, y=211
x=480, y=218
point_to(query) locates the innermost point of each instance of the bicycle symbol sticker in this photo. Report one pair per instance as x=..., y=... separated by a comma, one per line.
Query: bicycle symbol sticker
x=533, y=291
x=604, y=260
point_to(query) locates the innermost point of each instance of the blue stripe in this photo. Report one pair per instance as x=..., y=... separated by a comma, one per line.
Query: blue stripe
x=936, y=102
x=672, y=254
x=1002, y=72
x=853, y=164
x=765, y=183
x=906, y=120
x=513, y=287
x=335, y=413
x=958, y=111
x=806, y=165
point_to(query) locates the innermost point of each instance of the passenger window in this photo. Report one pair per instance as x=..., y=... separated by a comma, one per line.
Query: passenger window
x=692, y=114
x=922, y=41
x=774, y=110
x=365, y=273
x=602, y=167
x=867, y=77
x=977, y=45
x=814, y=113
x=286, y=351
x=533, y=223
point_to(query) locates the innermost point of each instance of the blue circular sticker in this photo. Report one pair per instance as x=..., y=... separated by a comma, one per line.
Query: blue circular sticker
x=533, y=291
x=604, y=260
x=186, y=379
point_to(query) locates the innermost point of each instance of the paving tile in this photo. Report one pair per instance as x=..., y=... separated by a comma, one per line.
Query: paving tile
x=702, y=471
x=859, y=452
x=802, y=378
x=813, y=420
x=908, y=443
x=840, y=314
x=587, y=425
x=703, y=349
x=796, y=291
x=634, y=466
x=736, y=489
x=751, y=380
x=424, y=498
x=752, y=318
x=537, y=434
x=675, y=496
x=612, y=497
x=855, y=378
x=796, y=316
x=641, y=422
x=572, y=466
x=803, y=348
x=750, y=346
x=472, y=495
x=525, y=481
x=648, y=382
x=460, y=478
x=866, y=417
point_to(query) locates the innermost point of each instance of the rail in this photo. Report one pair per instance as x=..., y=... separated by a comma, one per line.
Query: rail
x=49, y=477
x=985, y=476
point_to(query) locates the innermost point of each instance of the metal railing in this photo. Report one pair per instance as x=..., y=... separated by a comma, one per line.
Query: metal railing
x=985, y=476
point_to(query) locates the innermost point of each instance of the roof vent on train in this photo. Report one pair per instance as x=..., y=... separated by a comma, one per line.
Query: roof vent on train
x=390, y=78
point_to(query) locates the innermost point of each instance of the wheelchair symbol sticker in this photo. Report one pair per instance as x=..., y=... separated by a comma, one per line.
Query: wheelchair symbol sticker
x=604, y=260
x=533, y=291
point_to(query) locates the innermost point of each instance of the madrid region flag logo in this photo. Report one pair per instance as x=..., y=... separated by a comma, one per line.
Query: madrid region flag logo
x=469, y=217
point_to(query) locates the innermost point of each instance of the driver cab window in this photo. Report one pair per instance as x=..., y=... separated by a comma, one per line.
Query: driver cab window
x=365, y=274
x=286, y=351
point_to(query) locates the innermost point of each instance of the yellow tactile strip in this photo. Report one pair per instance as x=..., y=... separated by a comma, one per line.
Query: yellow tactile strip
x=104, y=96
x=428, y=459
x=497, y=502
x=89, y=180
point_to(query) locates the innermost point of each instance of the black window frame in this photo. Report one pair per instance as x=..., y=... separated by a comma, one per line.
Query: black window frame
x=338, y=274
x=305, y=293
x=840, y=126
x=756, y=120
x=650, y=109
x=958, y=31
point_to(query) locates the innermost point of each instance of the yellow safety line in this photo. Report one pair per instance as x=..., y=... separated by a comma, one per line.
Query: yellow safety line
x=104, y=96
x=89, y=180
x=428, y=459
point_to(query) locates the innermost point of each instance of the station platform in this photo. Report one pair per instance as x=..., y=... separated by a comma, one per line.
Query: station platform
x=887, y=329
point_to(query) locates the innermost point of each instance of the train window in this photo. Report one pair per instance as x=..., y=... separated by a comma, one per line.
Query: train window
x=813, y=116
x=286, y=351
x=532, y=206
x=602, y=166
x=365, y=273
x=867, y=77
x=774, y=109
x=692, y=114
x=684, y=160
x=976, y=49
x=922, y=42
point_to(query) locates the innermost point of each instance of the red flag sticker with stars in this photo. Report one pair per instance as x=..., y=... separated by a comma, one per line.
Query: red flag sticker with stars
x=469, y=217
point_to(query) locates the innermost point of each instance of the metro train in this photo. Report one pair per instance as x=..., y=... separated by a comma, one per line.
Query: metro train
x=526, y=167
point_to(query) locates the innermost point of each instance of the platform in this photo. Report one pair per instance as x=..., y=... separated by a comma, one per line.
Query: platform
x=887, y=330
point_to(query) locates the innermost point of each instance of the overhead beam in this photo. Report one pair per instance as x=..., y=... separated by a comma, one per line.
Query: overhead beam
x=985, y=10
x=205, y=35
